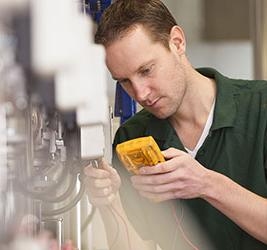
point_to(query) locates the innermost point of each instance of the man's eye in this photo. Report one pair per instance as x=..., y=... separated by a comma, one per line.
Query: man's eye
x=145, y=72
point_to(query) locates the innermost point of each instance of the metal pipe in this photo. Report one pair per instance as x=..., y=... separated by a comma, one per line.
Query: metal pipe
x=258, y=11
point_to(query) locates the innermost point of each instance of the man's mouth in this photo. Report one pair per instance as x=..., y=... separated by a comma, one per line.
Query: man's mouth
x=152, y=103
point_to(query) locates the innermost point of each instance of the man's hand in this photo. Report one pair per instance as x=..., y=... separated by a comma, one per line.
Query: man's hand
x=181, y=176
x=102, y=184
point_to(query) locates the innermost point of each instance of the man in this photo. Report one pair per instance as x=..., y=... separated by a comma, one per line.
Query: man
x=211, y=130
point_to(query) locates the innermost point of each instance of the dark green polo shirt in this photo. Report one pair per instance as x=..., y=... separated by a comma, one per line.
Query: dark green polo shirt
x=236, y=147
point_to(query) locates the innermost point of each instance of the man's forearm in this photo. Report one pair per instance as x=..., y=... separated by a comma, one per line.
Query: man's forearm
x=120, y=233
x=246, y=209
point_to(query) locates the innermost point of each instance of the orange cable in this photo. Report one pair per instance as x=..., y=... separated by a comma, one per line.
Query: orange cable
x=179, y=221
x=125, y=224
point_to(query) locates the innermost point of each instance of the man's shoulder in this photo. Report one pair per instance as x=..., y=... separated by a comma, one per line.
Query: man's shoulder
x=247, y=95
x=135, y=127
x=234, y=84
x=249, y=86
x=240, y=87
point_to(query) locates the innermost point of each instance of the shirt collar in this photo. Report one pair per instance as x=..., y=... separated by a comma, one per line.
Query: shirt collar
x=225, y=105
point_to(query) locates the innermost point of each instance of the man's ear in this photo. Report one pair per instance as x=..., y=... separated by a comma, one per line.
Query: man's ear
x=177, y=40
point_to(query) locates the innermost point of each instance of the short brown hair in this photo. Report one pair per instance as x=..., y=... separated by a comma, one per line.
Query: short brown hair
x=123, y=15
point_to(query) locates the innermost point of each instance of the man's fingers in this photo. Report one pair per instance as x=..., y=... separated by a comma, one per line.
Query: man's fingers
x=104, y=165
x=157, y=179
x=157, y=189
x=98, y=183
x=172, y=152
x=100, y=192
x=90, y=171
x=161, y=168
x=102, y=183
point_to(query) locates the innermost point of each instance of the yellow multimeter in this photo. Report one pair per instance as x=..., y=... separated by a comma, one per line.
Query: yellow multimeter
x=139, y=152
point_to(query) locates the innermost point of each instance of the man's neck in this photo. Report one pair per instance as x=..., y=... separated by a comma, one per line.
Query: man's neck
x=190, y=119
x=197, y=102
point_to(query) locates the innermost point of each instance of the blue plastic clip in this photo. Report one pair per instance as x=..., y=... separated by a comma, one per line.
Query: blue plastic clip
x=125, y=106
x=95, y=8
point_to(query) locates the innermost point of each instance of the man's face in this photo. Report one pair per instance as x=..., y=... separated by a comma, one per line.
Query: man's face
x=149, y=72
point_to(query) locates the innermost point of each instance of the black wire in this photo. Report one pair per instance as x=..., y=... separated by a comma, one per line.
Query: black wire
x=63, y=196
x=69, y=206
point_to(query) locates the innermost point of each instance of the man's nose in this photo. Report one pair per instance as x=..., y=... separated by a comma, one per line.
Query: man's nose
x=141, y=91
